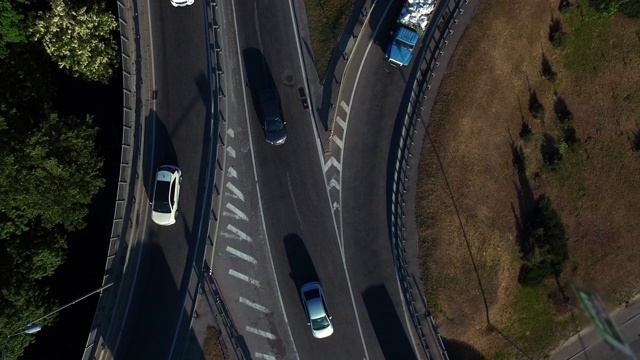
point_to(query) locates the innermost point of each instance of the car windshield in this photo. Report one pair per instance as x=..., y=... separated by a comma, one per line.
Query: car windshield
x=161, y=197
x=320, y=323
x=273, y=125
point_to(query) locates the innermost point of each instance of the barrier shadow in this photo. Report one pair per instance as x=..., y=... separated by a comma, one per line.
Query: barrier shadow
x=392, y=338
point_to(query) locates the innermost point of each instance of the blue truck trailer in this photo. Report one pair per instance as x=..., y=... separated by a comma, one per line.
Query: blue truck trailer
x=410, y=27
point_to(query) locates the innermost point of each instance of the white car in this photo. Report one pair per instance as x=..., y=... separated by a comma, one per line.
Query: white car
x=181, y=2
x=166, y=192
x=316, y=309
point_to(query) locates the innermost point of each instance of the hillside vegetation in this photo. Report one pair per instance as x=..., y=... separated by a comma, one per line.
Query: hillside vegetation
x=49, y=163
x=530, y=170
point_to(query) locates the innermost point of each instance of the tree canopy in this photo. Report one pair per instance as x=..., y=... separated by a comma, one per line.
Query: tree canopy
x=80, y=40
x=12, y=26
x=49, y=163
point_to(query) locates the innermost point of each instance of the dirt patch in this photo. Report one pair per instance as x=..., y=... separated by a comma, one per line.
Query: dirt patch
x=475, y=192
x=214, y=347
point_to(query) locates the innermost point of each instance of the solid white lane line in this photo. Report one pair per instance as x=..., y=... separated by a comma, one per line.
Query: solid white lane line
x=253, y=305
x=260, y=332
x=244, y=277
x=235, y=191
x=241, y=255
x=239, y=214
x=240, y=234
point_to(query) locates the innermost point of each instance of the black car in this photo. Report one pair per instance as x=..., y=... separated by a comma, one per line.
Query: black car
x=272, y=122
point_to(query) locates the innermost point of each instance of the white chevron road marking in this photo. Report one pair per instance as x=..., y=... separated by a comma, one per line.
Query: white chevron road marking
x=332, y=162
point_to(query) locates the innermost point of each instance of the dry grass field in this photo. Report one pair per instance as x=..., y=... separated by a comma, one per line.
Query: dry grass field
x=472, y=197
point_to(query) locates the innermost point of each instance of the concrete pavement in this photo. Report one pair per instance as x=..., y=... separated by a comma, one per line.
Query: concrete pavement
x=587, y=344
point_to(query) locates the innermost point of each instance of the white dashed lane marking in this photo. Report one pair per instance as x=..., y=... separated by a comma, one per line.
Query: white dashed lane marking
x=260, y=332
x=231, y=151
x=238, y=194
x=244, y=277
x=241, y=255
x=238, y=214
x=238, y=232
x=253, y=305
x=232, y=173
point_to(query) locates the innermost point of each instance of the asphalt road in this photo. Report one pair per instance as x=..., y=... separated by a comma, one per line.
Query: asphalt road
x=176, y=133
x=292, y=214
x=281, y=214
x=278, y=217
x=375, y=100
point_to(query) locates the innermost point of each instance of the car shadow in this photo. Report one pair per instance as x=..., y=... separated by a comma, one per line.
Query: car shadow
x=259, y=76
x=162, y=150
x=301, y=266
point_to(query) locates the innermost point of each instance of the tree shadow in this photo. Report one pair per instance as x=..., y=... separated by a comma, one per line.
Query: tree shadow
x=549, y=150
x=547, y=69
x=526, y=200
x=635, y=140
x=535, y=106
x=555, y=31
x=457, y=349
x=561, y=109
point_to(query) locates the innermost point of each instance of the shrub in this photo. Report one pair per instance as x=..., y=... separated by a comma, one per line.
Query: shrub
x=546, y=251
x=537, y=110
x=526, y=133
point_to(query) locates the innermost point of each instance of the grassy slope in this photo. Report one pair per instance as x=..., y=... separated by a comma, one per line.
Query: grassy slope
x=326, y=19
x=475, y=123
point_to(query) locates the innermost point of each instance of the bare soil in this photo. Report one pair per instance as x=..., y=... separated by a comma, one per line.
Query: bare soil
x=472, y=197
x=214, y=347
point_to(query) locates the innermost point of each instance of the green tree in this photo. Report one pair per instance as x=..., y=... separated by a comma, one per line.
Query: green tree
x=12, y=26
x=49, y=176
x=546, y=251
x=80, y=40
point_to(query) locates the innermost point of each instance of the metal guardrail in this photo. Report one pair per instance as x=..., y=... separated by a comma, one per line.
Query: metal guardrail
x=125, y=199
x=217, y=84
x=438, y=32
